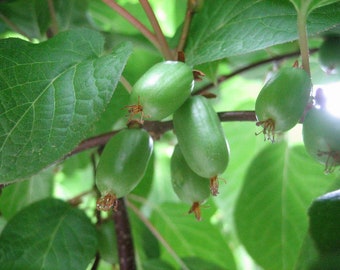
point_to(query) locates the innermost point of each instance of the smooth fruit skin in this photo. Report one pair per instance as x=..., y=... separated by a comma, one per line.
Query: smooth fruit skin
x=163, y=89
x=282, y=100
x=201, y=137
x=324, y=222
x=189, y=187
x=122, y=164
x=329, y=55
x=321, y=133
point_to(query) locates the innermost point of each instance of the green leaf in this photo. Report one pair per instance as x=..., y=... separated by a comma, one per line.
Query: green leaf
x=310, y=5
x=148, y=245
x=51, y=93
x=229, y=28
x=271, y=211
x=198, y=263
x=20, y=194
x=156, y=264
x=107, y=242
x=49, y=234
x=198, y=239
x=114, y=112
x=71, y=13
x=31, y=17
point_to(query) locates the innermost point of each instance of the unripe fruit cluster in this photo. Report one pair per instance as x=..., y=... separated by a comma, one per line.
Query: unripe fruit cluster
x=202, y=152
x=285, y=100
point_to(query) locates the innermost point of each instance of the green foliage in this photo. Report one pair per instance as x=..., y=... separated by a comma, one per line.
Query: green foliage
x=274, y=201
x=65, y=84
x=226, y=29
x=43, y=236
x=54, y=91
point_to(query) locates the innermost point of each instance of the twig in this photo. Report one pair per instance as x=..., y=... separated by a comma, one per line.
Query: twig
x=92, y=142
x=303, y=39
x=157, y=129
x=158, y=31
x=14, y=27
x=237, y=116
x=124, y=237
x=249, y=67
x=158, y=236
x=136, y=23
x=95, y=264
x=185, y=29
x=54, y=25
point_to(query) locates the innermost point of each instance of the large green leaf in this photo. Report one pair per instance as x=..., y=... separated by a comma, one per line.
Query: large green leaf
x=31, y=17
x=20, y=194
x=271, y=211
x=49, y=234
x=227, y=28
x=190, y=238
x=51, y=93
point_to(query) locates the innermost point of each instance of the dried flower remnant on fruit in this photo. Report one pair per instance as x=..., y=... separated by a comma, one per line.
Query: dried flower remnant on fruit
x=195, y=208
x=333, y=160
x=106, y=202
x=198, y=75
x=214, y=186
x=268, y=129
x=135, y=109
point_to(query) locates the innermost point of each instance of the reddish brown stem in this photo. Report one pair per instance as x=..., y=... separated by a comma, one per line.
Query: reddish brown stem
x=124, y=237
x=249, y=67
x=157, y=129
x=185, y=29
x=135, y=22
x=164, y=47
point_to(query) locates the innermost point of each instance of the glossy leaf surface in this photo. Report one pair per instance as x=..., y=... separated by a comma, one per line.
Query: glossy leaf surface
x=48, y=234
x=271, y=209
x=229, y=28
x=64, y=85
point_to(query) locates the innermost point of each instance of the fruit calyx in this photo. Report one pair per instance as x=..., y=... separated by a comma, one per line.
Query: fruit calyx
x=268, y=129
x=214, y=185
x=135, y=109
x=106, y=202
x=333, y=160
x=195, y=208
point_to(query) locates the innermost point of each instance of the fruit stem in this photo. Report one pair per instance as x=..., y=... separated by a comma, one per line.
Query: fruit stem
x=302, y=14
x=164, y=47
x=236, y=72
x=126, y=84
x=186, y=26
x=54, y=23
x=135, y=22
